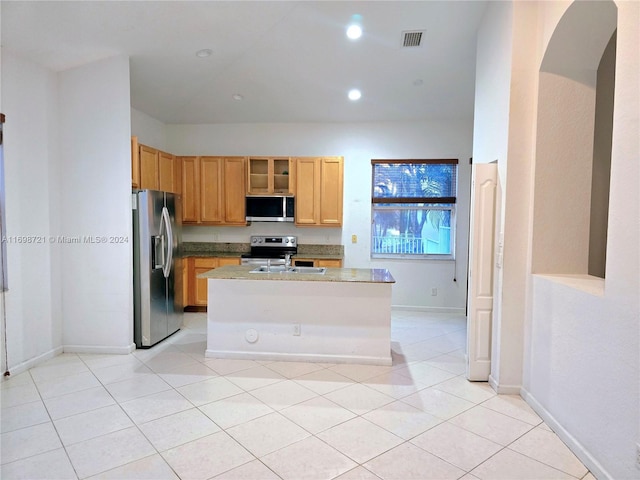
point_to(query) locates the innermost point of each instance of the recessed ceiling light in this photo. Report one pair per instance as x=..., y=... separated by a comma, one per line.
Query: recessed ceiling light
x=204, y=53
x=354, y=31
x=237, y=96
x=354, y=94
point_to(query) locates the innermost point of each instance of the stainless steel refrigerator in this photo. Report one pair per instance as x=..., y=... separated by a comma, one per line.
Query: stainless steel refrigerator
x=157, y=266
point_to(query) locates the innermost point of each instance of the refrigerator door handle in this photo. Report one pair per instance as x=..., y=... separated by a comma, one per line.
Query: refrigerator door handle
x=168, y=260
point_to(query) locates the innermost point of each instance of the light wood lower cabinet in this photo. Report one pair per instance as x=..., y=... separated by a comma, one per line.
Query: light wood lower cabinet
x=315, y=262
x=196, y=288
x=328, y=263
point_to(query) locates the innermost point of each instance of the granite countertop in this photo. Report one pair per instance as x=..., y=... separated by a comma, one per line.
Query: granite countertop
x=218, y=249
x=362, y=275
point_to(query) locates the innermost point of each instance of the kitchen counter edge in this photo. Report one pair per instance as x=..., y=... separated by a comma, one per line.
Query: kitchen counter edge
x=362, y=275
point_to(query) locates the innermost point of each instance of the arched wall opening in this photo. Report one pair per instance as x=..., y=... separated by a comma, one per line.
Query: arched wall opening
x=573, y=144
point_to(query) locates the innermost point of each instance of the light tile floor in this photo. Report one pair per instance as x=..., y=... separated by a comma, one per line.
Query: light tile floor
x=169, y=412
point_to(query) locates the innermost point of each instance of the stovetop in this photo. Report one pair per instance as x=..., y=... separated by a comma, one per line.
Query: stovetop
x=276, y=246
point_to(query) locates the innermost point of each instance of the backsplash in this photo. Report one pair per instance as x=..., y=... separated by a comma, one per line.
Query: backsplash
x=225, y=248
x=318, y=236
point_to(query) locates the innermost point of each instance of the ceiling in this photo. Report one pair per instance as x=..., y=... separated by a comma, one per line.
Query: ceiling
x=291, y=61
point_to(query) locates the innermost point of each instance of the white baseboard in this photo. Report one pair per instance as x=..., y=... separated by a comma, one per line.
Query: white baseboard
x=574, y=445
x=99, y=349
x=299, y=357
x=33, y=362
x=504, y=389
x=414, y=308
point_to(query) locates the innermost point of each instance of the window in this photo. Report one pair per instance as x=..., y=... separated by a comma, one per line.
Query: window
x=413, y=208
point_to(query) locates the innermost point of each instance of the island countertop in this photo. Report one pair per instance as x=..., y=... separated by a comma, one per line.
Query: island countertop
x=362, y=275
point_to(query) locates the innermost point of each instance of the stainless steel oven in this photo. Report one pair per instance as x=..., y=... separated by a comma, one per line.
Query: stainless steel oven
x=270, y=250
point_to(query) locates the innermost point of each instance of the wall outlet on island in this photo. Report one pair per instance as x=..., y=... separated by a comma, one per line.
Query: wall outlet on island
x=434, y=292
x=296, y=329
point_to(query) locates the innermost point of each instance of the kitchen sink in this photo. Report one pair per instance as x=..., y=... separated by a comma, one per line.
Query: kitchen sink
x=288, y=270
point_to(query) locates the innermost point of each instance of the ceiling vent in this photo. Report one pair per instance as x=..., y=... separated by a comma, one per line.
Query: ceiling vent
x=412, y=38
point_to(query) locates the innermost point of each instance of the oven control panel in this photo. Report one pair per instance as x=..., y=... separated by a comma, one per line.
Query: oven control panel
x=285, y=241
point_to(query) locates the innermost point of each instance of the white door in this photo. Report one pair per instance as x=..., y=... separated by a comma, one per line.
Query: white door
x=481, y=253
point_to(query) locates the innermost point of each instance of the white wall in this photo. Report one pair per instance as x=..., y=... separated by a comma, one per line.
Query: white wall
x=491, y=127
x=579, y=334
x=358, y=143
x=584, y=340
x=150, y=132
x=33, y=302
x=95, y=153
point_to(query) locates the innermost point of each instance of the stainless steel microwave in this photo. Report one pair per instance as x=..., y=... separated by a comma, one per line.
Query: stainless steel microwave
x=269, y=208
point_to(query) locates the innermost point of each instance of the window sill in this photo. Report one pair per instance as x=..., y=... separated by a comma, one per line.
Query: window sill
x=417, y=258
x=586, y=283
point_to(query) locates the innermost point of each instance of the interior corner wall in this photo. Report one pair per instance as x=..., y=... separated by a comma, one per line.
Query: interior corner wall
x=95, y=152
x=34, y=319
x=564, y=160
x=601, y=172
x=507, y=367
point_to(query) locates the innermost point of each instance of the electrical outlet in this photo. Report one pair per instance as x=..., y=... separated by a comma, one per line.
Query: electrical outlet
x=434, y=292
x=296, y=329
x=354, y=238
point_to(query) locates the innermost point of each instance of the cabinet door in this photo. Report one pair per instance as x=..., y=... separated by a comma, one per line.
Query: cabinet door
x=166, y=172
x=149, y=168
x=186, y=269
x=222, y=261
x=135, y=163
x=258, y=176
x=201, y=265
x=281, y=175
x=190, y=190
x=234, y=190
x=211, y=205
x=177, y=175
x=331, y=173
x=307, y=191
x=329, y=263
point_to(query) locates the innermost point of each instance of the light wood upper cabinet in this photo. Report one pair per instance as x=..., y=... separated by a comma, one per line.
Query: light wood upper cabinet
x=331, y=186
x=318, y=191
x=211, y=184
x=190, y=189
x=168, y=173
x=307, y=191
x=149, y=177
x=154, y=169
x=213, y=190
x=268, y=176
x=234, y=191
x=135, y=163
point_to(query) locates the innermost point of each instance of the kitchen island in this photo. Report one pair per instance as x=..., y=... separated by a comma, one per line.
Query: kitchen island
x=341, y=316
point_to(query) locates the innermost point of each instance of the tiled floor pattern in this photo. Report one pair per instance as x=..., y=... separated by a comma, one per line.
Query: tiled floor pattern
x=169, y=413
